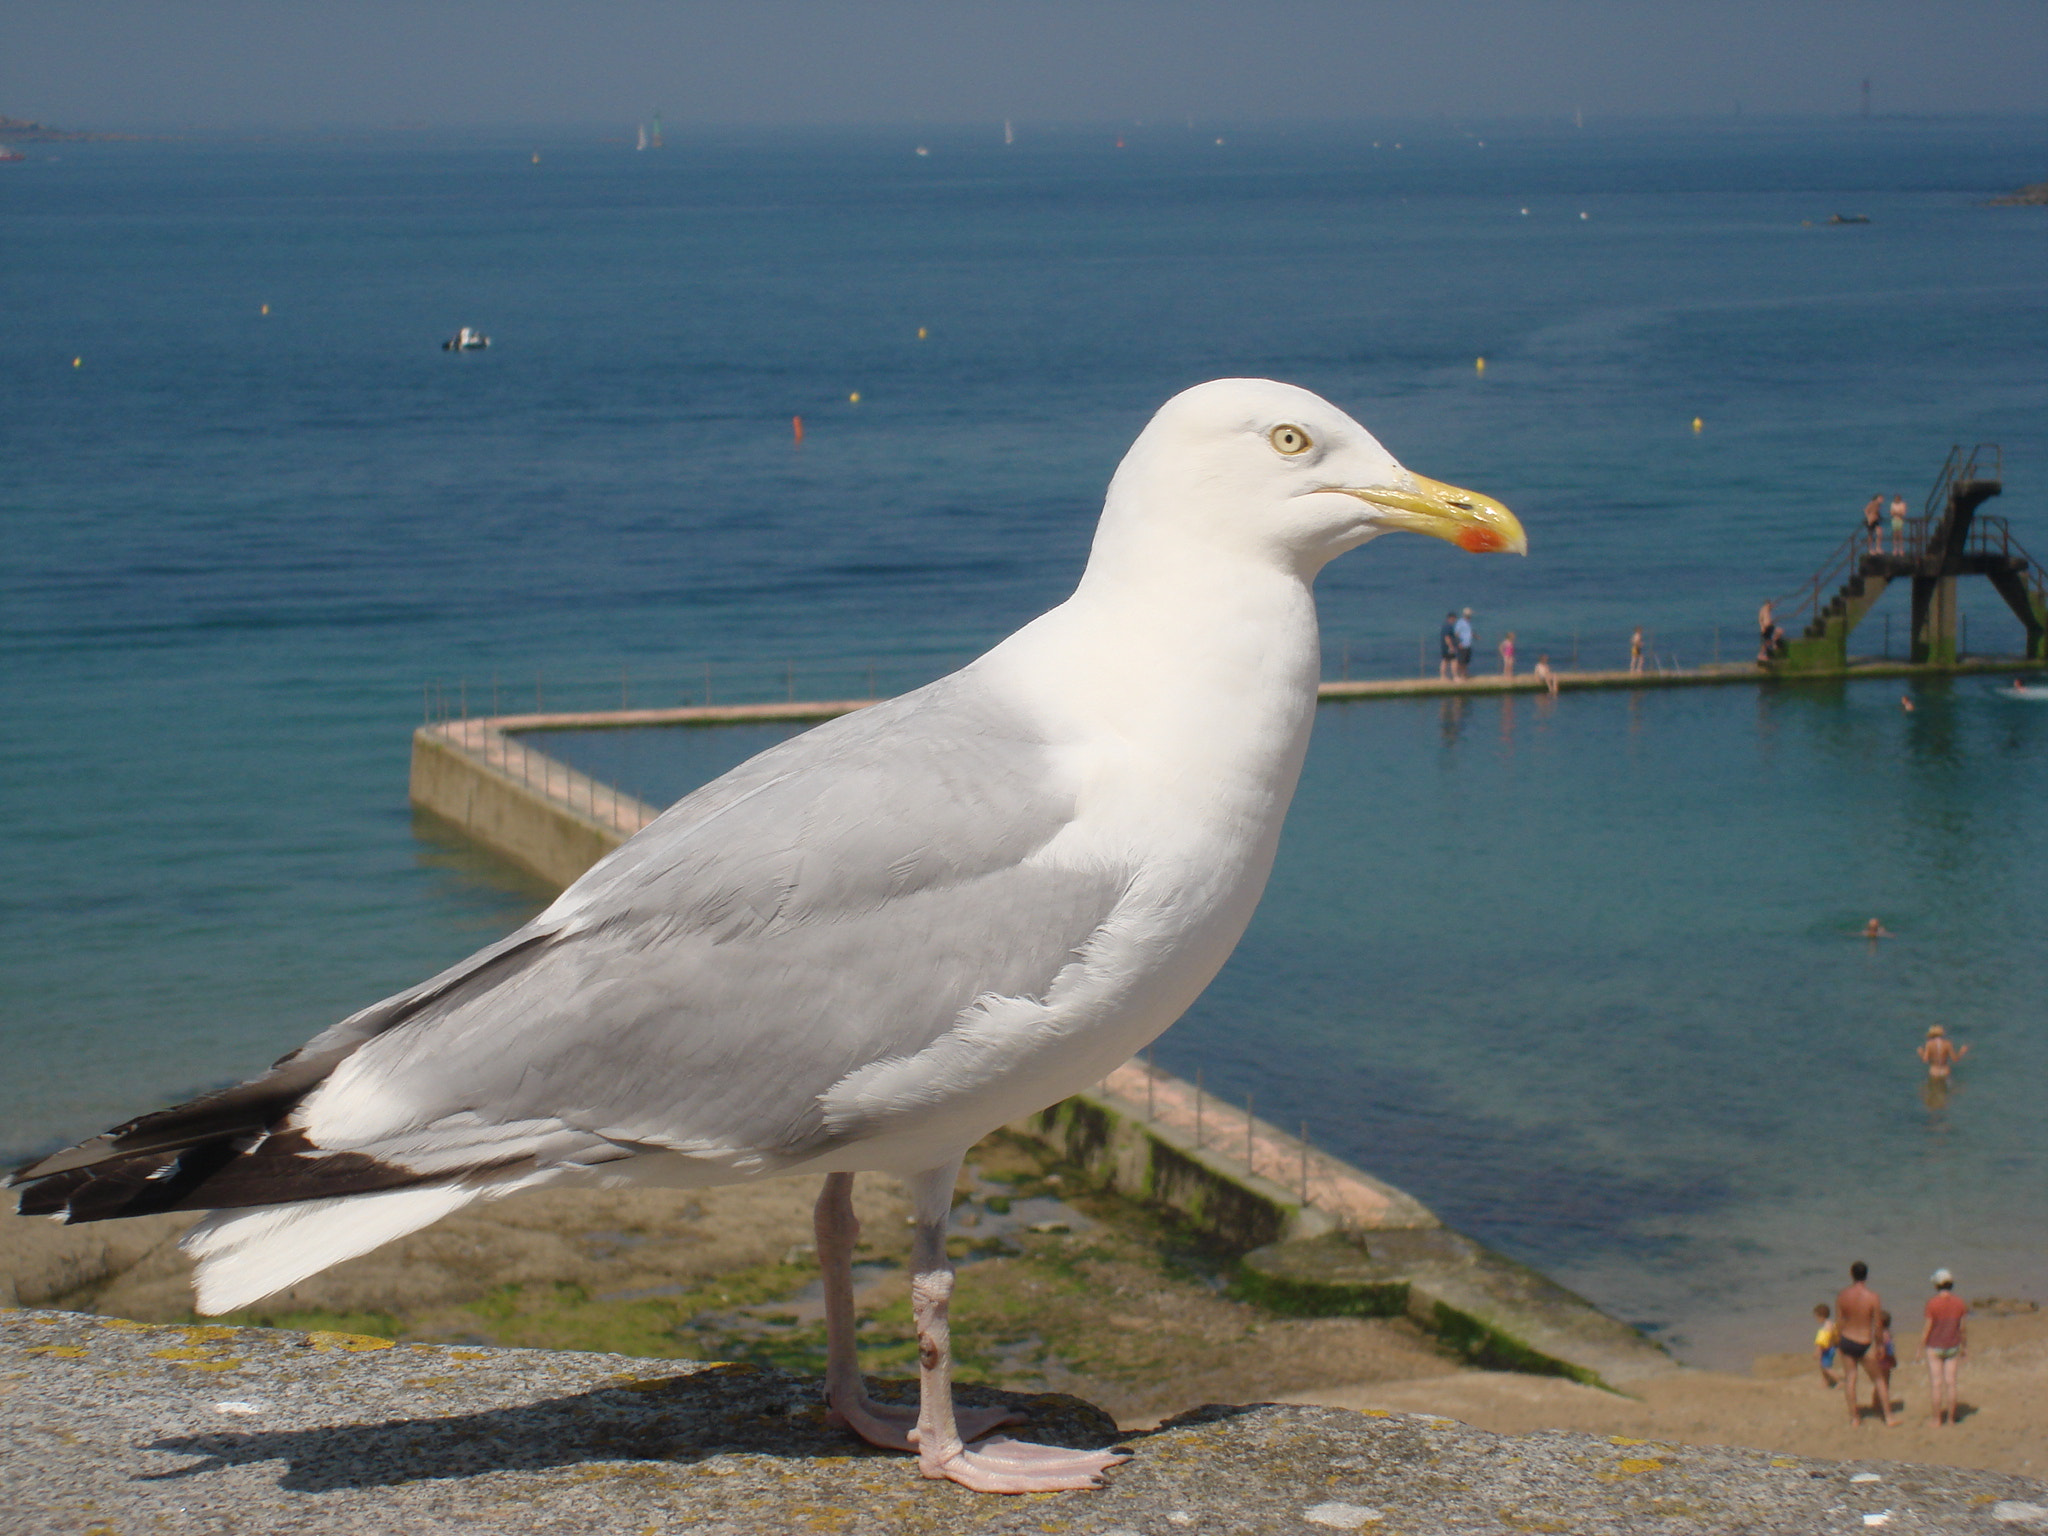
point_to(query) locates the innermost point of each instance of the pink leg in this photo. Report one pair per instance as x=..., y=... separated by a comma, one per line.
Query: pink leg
x=847, y=1403
x=994, y=1466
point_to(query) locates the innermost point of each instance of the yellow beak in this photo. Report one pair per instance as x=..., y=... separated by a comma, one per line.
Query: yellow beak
x=1465, y=518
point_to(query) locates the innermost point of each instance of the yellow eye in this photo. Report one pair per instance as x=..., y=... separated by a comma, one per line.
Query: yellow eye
x=1289, y=440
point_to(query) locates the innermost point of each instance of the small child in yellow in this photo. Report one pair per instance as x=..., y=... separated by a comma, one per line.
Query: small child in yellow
x=1824, y=1342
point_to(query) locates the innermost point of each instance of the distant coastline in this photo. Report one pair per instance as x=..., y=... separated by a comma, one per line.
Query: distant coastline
x=15, y=130
x=2033, y=195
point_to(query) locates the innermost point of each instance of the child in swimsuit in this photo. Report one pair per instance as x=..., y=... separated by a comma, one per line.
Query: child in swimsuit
x=1824, y=1343
x=1883, y=1354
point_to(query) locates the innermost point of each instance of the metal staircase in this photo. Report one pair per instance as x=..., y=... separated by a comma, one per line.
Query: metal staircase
x=1946, y=541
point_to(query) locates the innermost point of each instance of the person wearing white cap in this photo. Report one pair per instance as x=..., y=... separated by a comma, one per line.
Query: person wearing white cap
x=1943, y=1345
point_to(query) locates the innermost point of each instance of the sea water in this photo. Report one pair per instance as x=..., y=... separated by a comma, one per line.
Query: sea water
x=1578, y=974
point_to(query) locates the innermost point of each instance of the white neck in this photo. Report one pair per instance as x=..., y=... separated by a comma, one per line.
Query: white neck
x=1179, y=670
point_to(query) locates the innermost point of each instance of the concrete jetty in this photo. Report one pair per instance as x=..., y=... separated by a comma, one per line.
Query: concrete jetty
x=483, y=776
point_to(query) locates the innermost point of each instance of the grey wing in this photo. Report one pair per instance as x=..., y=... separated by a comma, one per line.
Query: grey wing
x=834, y=904
x=838, y=901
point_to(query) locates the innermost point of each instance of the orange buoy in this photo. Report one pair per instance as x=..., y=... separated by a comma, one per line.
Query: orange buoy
x=798, y=423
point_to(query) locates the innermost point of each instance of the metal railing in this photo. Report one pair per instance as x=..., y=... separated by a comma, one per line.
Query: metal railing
x=1961, y=466
x=547, y=777
x=1294, y=1162
x=1806, y=600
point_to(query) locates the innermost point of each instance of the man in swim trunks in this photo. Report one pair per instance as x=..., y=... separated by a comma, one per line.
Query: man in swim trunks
x=1447, y=648
x=1940, y=1053
x=1942, y=1346
x=1859, y=1314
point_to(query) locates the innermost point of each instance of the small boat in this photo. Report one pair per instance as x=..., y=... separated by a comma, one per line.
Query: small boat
x=9, y=156
x=1848, y=218
x=466, y=340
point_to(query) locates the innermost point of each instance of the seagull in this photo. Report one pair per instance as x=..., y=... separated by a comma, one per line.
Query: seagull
x=863, y=949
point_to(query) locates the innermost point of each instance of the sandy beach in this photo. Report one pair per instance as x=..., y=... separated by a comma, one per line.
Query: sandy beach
x=1780, y=1406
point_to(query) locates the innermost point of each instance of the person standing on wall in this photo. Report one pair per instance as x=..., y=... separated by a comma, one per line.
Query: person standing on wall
x=1447, y=648
x=1462, y=632
x=1873, y=523
x=1898, y=525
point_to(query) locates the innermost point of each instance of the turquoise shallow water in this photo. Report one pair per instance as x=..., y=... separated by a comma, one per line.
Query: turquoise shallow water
x=1608, y=1025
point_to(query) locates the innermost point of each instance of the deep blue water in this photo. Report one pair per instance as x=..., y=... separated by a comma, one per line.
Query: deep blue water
x=1600, y=1013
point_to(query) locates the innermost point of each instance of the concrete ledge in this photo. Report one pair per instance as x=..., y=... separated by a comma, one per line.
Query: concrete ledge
x=1156, y=1138
x=113, y=1427
x=521, y=804
x=1331, y=1276
x=1338, y=1242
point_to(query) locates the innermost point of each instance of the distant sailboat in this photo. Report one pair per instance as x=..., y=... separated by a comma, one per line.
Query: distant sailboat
x=655, y=142
x=643, y=137
x=1009, y=133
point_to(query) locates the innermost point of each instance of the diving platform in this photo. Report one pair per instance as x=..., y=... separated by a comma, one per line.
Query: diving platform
x=1948, y=541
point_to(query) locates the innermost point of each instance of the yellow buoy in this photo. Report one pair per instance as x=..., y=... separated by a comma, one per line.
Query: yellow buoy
x=77, y=362
x=266, y=309
x=854, y=398
x=1698, y=425
x=1479, y=364
x=536, y=157
x=920, y=333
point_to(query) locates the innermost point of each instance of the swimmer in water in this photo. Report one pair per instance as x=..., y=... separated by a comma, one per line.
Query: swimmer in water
x=1940, y=1053
x=1875, y=930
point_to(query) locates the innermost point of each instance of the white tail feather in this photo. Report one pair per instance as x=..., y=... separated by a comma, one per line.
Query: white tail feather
x=248, y=1254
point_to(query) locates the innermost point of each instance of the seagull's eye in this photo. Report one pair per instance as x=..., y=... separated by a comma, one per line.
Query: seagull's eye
x=1289, y=440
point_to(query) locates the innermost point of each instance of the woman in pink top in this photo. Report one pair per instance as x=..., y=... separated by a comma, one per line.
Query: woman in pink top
x=1942, y=1345
x=1507, y=655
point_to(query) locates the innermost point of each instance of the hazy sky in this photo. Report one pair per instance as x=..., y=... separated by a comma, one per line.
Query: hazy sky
x=106, y=63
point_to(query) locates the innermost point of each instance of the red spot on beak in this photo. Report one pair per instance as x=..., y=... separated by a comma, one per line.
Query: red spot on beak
x=1480, y=541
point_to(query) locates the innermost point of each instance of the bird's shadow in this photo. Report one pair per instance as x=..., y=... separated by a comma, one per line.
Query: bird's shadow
x=724, y=1410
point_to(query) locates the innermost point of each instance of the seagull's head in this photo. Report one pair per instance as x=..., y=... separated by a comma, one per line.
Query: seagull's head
x=1271, y=471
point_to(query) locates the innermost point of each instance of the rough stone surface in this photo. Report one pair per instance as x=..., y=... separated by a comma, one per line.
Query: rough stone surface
x=116, y=1427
